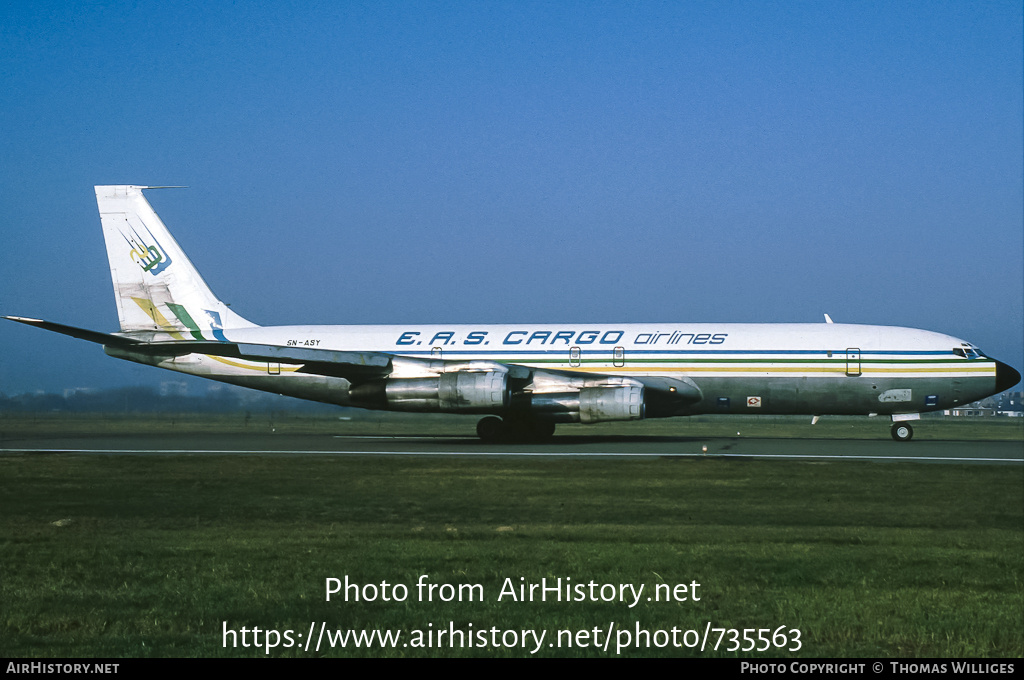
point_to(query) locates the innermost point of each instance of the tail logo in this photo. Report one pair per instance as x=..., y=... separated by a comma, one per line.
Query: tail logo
x=152, y=258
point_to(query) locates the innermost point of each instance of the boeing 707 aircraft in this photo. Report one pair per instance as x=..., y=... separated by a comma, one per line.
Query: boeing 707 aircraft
x=524, y=378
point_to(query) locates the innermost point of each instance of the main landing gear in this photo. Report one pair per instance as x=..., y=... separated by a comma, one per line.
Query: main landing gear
x=902, y=432
x=493, y=429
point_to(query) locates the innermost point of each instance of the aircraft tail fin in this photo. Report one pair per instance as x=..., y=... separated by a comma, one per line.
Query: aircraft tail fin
x=156, y=287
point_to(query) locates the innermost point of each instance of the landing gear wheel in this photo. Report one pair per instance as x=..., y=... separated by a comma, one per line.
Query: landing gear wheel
x=525, y=430
x=902, y=432
x=491, y=429
x=514, y=430
x=543, y=430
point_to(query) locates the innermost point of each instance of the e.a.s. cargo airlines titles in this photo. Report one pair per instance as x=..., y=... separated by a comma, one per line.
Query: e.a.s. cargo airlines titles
x=524, y=379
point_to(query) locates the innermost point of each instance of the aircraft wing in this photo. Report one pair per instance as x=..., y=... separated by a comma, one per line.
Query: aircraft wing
x=348, y=365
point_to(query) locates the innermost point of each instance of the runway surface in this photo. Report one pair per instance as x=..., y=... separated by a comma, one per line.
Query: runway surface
x=980, y=452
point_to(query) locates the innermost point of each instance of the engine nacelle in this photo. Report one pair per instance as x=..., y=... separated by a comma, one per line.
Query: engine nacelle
x=456, y=392
x=611, y=403
x=591, y=404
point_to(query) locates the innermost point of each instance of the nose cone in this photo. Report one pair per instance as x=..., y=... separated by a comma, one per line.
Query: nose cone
x=1006, y=376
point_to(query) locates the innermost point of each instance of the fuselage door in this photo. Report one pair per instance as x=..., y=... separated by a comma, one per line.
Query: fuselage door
x=853, y=362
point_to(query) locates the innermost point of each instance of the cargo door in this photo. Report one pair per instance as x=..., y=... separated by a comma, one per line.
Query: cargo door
x=853, y=362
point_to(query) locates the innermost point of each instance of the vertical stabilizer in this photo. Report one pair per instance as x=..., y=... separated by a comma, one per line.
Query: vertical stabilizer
x=156, y=287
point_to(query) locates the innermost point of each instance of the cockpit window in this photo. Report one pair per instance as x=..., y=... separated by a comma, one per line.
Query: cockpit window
x=968, y=352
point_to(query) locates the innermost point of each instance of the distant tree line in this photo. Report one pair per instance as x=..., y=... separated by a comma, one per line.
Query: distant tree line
x=150, y=400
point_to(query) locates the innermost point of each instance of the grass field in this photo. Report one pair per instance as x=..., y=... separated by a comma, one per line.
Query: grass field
x=128, y=556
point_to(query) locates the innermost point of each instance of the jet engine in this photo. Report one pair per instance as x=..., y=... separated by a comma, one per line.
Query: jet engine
x=456, y=392
x=590, y=404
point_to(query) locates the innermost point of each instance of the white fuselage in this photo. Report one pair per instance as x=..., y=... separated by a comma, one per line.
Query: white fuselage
x=738, y=368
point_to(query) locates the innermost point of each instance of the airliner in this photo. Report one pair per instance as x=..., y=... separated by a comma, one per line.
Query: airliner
x=524, y=379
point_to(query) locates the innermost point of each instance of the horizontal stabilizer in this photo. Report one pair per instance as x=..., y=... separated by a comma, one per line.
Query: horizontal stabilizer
x=348, y=365
x=80, y=333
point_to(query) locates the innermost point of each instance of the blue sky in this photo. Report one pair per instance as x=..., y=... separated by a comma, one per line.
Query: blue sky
x=489, y=162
